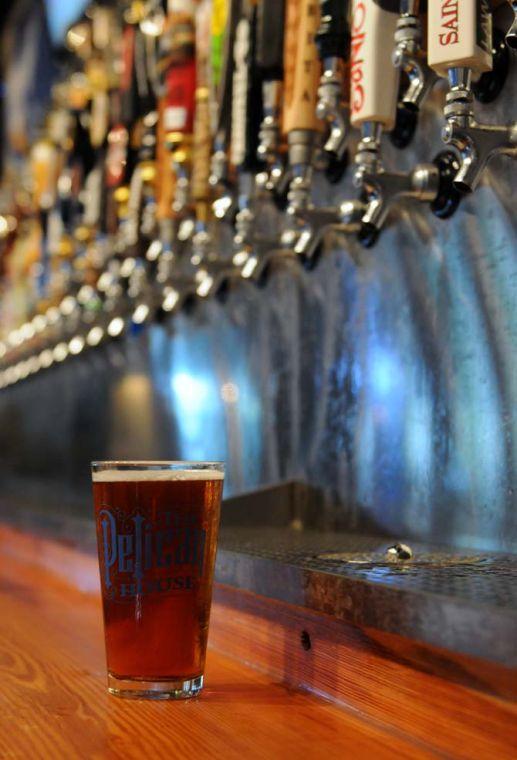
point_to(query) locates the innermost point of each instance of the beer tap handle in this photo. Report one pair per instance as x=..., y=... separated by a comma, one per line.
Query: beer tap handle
x=143, y=98
x=462, y=53
x=247, y=93
x=302, y=74
x=409, y=58
x=374, y=81
x=178, y=75
x=202, y=254
x=202, y=143
x=302, y=68
x=373, y=78
x=201, y=190
x=225, y=16
x=200, y=186
x=333, y=43
x=459, y=40
x=165, y=181
x=246, y=119
x=511, y=34
x=177, y=85
x=178, y=70
x=139, y=218
x=270, y=39
x=269, y=56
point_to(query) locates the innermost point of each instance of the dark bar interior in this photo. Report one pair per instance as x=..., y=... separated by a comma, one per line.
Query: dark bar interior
x=281, y=236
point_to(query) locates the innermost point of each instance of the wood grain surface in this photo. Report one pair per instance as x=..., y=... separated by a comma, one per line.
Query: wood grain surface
x=393, y=696
x=456, y=706
x=54, y=704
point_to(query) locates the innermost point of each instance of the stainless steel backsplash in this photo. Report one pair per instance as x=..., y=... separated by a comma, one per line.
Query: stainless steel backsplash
x=387, y=377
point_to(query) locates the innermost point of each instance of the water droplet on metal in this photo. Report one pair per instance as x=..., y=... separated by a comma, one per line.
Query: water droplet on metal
x=399, y=551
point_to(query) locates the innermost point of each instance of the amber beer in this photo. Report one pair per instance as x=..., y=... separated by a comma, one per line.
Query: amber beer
x=157, y=526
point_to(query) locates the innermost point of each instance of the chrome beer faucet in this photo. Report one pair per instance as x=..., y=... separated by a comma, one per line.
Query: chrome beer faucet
x=270, y=63
x=220, y=81
x=409, y=57
x=374, y=90
x=225, y=203
x=212, y=271
x=373, y=97
x=302, y=74
x=469, y=49
x=426, y=182
x=333, y=43
x=317, y=222
x=253, y=61
x=306, y=224
x=476, y=143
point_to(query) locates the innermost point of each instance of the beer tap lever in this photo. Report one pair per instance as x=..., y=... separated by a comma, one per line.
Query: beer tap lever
x=384, y=189
x=317, y=222
x=190, y=155
x=252, y=250
x=476, y=143
x=409, y=57
x=373, y=78
x=374, y=98
x=479, y=55
x=270, y=64
x=247, y=115
x=224, y=205
x=223, y=27
x=373, y=93
x=333, y=43
x=210, y=270
x=302, y=74
x=426, y=182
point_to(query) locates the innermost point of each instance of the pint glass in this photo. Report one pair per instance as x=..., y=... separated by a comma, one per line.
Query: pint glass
x=157, y=525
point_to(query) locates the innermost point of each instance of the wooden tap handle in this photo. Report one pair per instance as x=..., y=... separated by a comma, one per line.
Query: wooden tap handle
x=301, y=65
x=202, y=147
x=165, y=176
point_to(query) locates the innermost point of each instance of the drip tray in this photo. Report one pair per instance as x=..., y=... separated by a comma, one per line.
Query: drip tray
x=376, y=559
x=461, y=600
x=464, y=601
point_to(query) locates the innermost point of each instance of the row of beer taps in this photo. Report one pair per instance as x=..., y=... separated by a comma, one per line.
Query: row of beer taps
x=473, y=66
x=280, y=88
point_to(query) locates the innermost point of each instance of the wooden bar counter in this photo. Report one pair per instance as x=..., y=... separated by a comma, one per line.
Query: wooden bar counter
x=54, y=703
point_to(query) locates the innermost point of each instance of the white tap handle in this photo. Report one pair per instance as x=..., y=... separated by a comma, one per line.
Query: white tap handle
x=459, y=35
x=241, y=51
x=373, y=78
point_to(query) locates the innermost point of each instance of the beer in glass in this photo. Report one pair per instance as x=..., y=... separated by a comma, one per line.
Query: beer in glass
x=157, y=525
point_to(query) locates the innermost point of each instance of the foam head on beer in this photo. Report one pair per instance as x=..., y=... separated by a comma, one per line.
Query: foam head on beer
x=118, y=476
